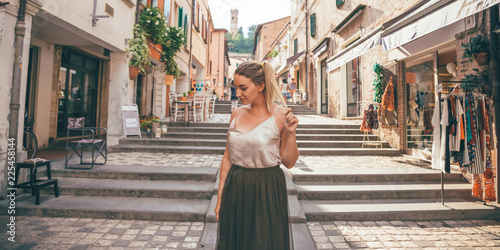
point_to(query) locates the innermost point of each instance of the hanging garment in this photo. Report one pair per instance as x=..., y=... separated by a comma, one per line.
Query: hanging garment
x=444, y=124
x=413, y=115
x=388, y=97
x=455, y=139
x=477, y=190
x=370, y=120
x=489, y=185
x=436, y=133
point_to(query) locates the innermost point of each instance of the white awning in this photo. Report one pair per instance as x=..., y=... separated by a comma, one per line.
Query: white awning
x=444, y=16
x=353, y=51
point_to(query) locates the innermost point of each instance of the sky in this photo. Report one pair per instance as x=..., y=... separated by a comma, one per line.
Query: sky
x=249, y=12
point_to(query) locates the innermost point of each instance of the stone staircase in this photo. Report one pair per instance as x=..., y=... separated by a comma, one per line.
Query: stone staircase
x=210, y=138
x=224, y=107
x=386, y=194
x=125, y=192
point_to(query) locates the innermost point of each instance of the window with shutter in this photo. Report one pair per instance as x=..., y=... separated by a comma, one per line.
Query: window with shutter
x=313, y=24
x=186, y=27
x=181, y=15
x=295, y=46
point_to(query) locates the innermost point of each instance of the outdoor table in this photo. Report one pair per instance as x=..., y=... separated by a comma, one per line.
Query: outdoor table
x=186, y=109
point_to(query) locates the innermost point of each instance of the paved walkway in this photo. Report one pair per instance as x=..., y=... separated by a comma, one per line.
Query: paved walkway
x=85, y=233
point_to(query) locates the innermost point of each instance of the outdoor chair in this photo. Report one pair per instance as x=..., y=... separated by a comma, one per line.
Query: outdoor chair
x=176, y=110
x=197, y=108
x=212, y=105
x=91, y=138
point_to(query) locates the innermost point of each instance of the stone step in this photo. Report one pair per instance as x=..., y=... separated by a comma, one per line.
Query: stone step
x=375, y=191
x=135, y=188
x=200, y=125
x=220, y=150
x=128, y=208
x=299, y=130
x=372, y=175
x=137, y=172
x=399, y=209
x=350, y=151
x=222, y=143
x=301, y=137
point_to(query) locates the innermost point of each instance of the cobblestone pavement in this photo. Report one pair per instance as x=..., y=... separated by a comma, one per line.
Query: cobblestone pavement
x=86, y=233
x=164, y=159
x=464, y=234
x=197, y=160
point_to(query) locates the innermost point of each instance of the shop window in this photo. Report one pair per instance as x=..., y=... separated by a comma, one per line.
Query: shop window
x=166, y=10
x=420, y=100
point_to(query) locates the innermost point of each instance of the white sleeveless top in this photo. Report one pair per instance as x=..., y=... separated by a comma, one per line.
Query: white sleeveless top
x=258, y=148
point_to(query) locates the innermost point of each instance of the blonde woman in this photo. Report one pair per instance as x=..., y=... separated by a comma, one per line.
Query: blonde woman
x=252, y=209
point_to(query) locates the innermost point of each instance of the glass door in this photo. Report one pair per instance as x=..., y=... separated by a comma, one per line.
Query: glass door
x=354, y=88
x=324, y=88
x=78, y=84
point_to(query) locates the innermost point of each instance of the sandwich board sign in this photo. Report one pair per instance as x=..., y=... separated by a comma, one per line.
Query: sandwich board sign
x=131, y=125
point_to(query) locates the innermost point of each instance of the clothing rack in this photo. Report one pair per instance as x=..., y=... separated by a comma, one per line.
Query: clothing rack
x=447, y=156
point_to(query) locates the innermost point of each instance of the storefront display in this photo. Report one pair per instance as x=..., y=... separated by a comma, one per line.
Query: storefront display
x=420, y=105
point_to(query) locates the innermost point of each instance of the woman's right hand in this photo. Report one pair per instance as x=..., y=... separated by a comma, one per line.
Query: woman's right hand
x=216, y=210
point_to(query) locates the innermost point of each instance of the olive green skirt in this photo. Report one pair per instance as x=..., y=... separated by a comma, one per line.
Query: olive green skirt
x=254, y=210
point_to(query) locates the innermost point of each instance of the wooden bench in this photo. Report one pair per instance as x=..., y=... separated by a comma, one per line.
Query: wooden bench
x=34, y=183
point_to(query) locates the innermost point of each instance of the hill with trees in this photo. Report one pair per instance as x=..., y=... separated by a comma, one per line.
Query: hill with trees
x=238, y=43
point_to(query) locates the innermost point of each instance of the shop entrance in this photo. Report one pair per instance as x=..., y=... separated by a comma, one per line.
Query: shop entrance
x=78, y=85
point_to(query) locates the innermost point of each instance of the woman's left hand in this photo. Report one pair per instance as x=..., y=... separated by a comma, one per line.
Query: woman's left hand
x=291, y=121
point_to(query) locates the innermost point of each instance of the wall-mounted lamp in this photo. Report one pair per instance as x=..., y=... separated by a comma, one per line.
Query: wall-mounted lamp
x=95, y=17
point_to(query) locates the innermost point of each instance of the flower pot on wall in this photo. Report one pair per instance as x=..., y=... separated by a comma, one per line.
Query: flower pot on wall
x=133, y=72
x=169, y=80
x=482, y=58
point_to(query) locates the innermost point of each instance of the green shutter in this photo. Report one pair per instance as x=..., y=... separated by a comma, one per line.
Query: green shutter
x=313, y=24
x=186, y=27
x=179, y=23
x=295, y=46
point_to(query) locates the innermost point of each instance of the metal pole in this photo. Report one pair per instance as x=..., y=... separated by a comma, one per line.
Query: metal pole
x=495, y=79
x=307, y=53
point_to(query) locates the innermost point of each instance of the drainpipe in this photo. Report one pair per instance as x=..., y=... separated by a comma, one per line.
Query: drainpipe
x=307, y=53
x=191, y=44
x=137, y=11
x=15, y=91
x=495, y=79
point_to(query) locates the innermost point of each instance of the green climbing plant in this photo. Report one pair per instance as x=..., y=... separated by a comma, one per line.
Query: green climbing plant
x=378, y=82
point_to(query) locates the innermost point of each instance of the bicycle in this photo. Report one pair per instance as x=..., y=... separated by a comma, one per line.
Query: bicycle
x=30, y=142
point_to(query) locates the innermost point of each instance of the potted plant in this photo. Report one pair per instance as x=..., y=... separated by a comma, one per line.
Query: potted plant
x=146, y=126
x=155, y=123
x=190, y=93
x=478, y=48
x=138, y=47
x=183, y=99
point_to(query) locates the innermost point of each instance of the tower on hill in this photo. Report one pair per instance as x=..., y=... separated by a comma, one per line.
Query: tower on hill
x=234, y=22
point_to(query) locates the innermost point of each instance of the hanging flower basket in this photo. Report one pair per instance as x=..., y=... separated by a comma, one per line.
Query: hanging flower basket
x=133, y=72
x=482, y=58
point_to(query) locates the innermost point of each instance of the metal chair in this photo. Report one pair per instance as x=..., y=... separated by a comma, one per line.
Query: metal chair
x=90, y=138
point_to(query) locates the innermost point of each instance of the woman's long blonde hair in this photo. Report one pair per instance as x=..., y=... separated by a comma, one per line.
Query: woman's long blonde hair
x=262, y=73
